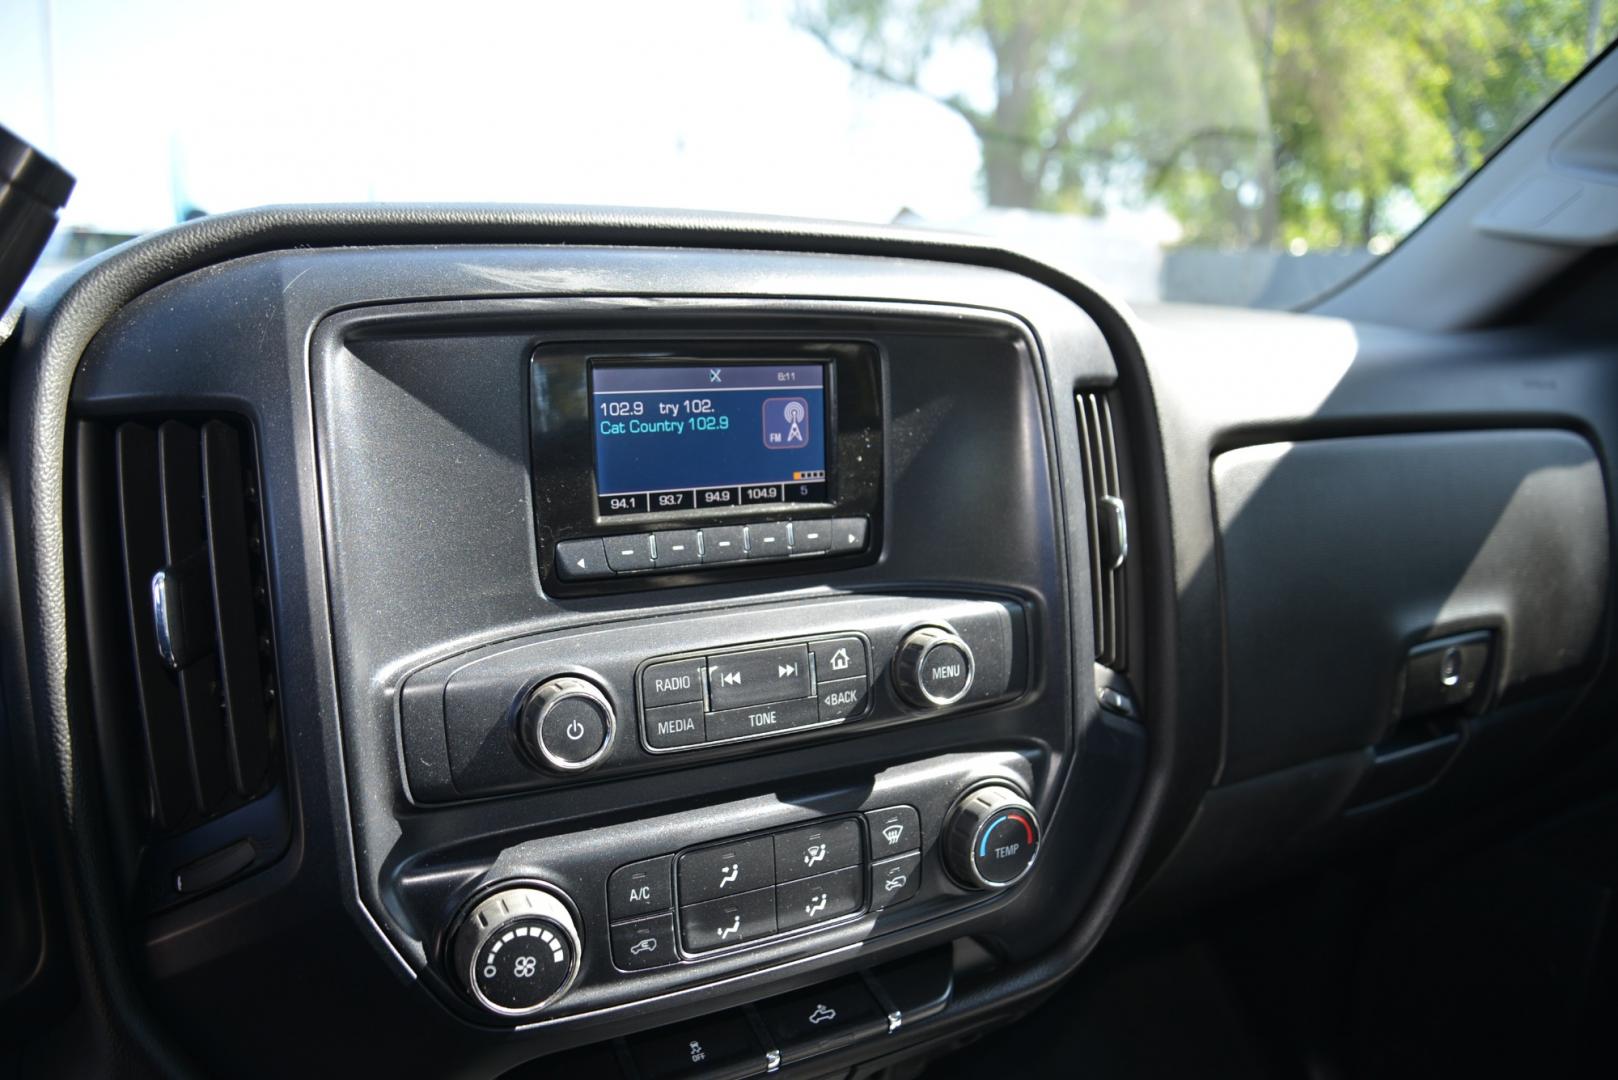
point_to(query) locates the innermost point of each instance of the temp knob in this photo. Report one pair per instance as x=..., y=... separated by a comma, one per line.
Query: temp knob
x=517, y=950
x=566, y=725
x=992, y=838
x=932, y=668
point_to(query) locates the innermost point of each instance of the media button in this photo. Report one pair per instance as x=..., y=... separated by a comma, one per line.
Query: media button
x=724, y=544
x=715, y=497
x=760, y=493
x=761, y=719
x=608, y=505
x=626, y=553
x=674, y=726
x=678, y=548
x=662, y=502
x=811, y=537
x=761, y=675
x=811, y=491
x=767, y=540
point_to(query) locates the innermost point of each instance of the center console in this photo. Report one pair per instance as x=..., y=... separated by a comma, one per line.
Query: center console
x=683, y=658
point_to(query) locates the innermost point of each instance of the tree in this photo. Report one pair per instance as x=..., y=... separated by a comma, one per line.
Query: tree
x=1254, y=121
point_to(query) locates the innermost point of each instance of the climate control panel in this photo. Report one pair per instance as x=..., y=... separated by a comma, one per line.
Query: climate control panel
x=729, y=895
x=571, y=923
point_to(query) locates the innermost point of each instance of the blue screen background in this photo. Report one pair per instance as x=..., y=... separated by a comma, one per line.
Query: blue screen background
x=673, y=443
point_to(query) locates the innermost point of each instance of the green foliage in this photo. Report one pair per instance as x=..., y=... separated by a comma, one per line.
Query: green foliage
x=1267, y=122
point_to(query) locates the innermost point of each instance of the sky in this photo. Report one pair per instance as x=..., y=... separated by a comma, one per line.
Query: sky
x=717, y=104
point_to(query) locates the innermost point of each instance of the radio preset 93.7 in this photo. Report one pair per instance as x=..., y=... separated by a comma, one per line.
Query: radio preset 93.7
x=677, y=437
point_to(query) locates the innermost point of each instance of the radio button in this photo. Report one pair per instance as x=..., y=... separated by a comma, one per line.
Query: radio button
x=768, y=719
x=842, y=698
x=641, y=888
x=818, y=849
x=627, y=553
x=839, y=658
x=720, y=924
x=726, y=870
x=848, y=535
x=674, y=726
x=811, y=537
x=673, y=683
x=767, y=540
x=740, y=679
x=577, y=560
x=678, y=548
x=724, y=544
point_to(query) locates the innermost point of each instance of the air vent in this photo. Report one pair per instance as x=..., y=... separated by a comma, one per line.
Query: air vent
x=175, y=559
x=1108, y=526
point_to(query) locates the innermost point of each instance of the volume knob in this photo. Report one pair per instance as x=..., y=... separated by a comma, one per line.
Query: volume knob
x=566, y=725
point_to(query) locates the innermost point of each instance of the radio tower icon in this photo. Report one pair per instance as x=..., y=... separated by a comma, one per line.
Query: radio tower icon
x=786, y=423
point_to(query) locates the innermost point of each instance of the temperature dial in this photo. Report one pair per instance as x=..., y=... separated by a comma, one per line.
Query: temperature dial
x=517, y=950
x=992, y=838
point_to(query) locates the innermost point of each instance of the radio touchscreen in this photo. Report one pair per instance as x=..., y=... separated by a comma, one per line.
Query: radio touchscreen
x=672, y=438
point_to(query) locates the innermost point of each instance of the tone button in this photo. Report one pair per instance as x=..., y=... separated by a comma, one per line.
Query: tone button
x=761, y=719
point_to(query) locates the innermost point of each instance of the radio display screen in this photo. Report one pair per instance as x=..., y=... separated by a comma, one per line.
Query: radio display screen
x=708, y=435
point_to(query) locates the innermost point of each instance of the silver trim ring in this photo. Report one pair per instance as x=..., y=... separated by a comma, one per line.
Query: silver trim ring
x=514, y=901
x=550, y=694
x=911, y=658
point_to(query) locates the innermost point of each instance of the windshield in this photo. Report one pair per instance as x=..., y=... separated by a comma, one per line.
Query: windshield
x=1224, y=151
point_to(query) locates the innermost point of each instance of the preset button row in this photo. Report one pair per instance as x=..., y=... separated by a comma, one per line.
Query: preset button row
x=679, y=549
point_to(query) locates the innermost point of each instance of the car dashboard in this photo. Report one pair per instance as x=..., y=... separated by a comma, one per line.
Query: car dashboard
x=463, y=641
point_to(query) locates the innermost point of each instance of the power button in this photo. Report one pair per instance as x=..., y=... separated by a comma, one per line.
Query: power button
x=566, y=724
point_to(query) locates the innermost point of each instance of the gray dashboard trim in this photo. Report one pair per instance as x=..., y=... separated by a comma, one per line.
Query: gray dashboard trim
x=52, y=339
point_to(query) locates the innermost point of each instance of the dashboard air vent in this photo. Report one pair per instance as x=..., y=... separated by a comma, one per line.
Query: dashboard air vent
x=1108, y=528
x=195, y=586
